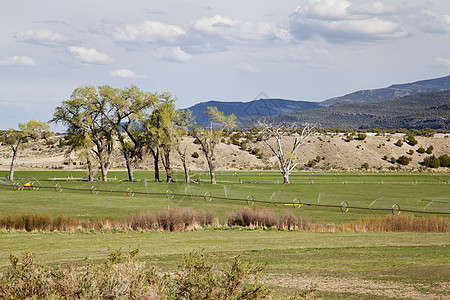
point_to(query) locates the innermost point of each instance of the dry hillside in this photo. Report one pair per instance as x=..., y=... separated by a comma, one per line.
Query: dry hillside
x=334, y=152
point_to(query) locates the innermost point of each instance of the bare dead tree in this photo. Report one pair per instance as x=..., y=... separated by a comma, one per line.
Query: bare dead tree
x=286, y=156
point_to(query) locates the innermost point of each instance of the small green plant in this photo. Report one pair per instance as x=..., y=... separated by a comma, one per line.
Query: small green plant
x=195, y=155
x=365, y=166
x=421, y=150
x=429, y=149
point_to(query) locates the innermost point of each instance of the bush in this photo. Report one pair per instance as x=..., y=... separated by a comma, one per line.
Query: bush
x=398, y=143
x=431, y=162
x=247, y=216
x=403, y=160
x=199, y=278
x=123, y=277
x=421, y=150
x=362, y=136
x=429, y=149
x=195, y=155
x=411, y=140
x=365, y=166
x=444, y=160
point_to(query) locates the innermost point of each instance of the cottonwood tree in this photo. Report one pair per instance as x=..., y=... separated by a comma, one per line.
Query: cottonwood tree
x=161, y=133
x=127, y=108
x=210, y=136
x=82, y=145
x=183, y=122
x=83, y=114
x=15, y=139
x=294, y=139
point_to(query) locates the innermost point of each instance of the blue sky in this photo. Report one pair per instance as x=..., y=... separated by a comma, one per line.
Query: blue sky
x=214, y=50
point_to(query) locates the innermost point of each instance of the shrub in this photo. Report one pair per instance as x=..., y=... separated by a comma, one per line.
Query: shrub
x=393, y=160
x=362, y=136
x=365, y=166
x=411, y=140
x=247, y=216
x=195, y=155
x=288, y=220
x=398, y=143
x=123, y=277
x=199, y=278
x=429, y=149
x=421, y=150
x=444, y=160
x=431, y=162
x=403, y=160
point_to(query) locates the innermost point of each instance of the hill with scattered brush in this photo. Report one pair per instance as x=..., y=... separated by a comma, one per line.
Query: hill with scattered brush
x=426, y=110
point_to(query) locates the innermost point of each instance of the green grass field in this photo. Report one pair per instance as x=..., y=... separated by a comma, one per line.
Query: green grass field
x=344, y=266
x=377, y=191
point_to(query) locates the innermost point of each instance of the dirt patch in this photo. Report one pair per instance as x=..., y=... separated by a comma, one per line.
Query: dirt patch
x=359, y=286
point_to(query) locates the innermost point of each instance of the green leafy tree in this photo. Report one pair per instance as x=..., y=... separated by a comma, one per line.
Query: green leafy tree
x=209, y=137
x=15, y=139
x=83, y=114
x=128, y=107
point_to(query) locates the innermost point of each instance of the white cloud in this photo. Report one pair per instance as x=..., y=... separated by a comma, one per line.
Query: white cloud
x=125, y=73
x=433, y=22
x=341, y=20
x=41, y=37
x=148, y=32
x=443, y=61
x=172, y=54
x=247, y=68
x=23, y=61
x=239, y=31
x=372, y=8
x=89, y=56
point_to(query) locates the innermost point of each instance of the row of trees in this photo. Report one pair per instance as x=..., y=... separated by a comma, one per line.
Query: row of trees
x=100, y=118
x=141, y=122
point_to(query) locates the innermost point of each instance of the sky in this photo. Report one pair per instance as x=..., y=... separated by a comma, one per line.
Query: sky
x=201, y=50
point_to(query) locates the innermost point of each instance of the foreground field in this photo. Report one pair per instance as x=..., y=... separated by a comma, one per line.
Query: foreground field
x=343, y=266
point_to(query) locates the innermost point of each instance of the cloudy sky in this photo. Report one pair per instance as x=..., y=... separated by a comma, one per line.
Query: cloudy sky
x=214, y=50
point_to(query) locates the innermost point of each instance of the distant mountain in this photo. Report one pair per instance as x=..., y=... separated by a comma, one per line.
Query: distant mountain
x=414, y=111
x=245, y=111
x=393, y=91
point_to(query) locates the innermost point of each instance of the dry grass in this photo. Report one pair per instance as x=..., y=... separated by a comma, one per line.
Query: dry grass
x=187, y=219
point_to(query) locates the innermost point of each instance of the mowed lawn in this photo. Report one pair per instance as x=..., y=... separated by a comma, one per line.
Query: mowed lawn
x=341, y=265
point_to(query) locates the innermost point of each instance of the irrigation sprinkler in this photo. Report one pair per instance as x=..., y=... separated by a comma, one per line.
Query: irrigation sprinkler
x=432, y=201
x=58, y=187
x=129, y=192
x=250, y=200
x=207, y=196
x=296, y=203
x=344, y=206
x=374, y=201
x=169, y=194
x=94, y=190
x=396, y=209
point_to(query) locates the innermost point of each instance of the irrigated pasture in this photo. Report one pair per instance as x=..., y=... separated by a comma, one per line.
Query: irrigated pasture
x=341, y=265
x=329, y=197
